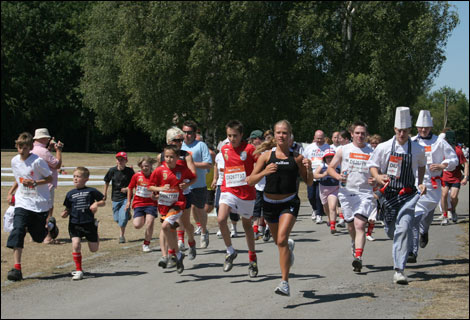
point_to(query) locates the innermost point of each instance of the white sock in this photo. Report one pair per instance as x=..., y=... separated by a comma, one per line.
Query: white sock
x=230, y=250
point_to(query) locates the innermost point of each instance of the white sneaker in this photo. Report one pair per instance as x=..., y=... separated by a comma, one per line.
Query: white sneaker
x=205, y=240
x=370, y=238
x=219, y=234
x=319, y=219
x=444, y=222
x=145, y=248
x=77, y=275
x=314, y=215
x=283, y=289
x=400, y=278
x=291, y=245
x=441, y=217
x=341, y=223
x=198, y=231
x=181, y=246
x=233, y=234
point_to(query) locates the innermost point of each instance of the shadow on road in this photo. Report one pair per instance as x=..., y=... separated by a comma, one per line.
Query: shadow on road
x=310, y=294
x=91, y=275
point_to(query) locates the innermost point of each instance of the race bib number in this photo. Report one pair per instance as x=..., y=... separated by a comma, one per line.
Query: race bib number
x=428, y=151
x=168, y=198
x=358, y=162
x=394, y=166
x=235, y=176
x=143, y=192
x=27, y=191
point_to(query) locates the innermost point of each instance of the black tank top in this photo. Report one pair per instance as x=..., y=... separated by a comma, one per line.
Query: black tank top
x=284, y=180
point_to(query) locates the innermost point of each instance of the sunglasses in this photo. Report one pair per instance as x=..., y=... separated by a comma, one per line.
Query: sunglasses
x=188, y=132
x=177, y=140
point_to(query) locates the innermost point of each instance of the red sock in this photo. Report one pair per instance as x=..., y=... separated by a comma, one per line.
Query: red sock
x=255, y=228
x=192, y=244
x=198, y=224
x=370, y=228
x=171, y=252
x=146, y=242
x=359, y=252
x=77, y=258
x=18, y=266
x=181, y=235
x=341, y=216
x=332, y=225
x=252, y=255
x=445, y=214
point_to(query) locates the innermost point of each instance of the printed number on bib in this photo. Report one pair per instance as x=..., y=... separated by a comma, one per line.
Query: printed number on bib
x=168, y=198
x=27, y=191
x=358, y=162
x=143, y=192
x=394, y=166
x=316, y=162
x=235, y=176
x=428, y=150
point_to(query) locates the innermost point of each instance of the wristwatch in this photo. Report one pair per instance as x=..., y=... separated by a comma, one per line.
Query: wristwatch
x=35, y=183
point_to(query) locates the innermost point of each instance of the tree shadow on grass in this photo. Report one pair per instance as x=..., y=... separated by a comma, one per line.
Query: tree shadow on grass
x=310, y=294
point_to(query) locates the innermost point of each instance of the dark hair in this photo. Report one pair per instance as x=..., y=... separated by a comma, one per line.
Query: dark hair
x=345, y=134
x=172, y=148
x=358, y=124
x=235, y=125
x=190, y=123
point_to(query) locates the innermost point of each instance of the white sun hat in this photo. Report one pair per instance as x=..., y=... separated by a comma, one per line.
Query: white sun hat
x=402, y=118
x=41, y=133
x=424, y=119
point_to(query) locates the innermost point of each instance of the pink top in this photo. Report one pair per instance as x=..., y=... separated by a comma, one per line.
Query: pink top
x=41, y=151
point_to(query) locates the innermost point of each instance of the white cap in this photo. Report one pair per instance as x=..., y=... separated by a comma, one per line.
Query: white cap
x=402, y=118
x=424, y=119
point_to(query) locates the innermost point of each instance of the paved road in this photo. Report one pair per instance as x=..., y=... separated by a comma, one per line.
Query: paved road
x=323, y=284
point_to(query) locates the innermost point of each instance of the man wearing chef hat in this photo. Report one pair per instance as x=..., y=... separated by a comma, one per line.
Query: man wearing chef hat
x=394, y=165
x=439, y=156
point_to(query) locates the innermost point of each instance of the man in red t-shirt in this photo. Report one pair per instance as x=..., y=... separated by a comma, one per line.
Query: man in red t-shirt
x=453, y=180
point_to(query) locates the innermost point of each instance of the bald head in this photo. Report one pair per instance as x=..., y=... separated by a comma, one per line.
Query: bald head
x=319, y=138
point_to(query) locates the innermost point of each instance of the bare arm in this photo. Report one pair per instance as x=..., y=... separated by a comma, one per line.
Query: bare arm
x=261, y=170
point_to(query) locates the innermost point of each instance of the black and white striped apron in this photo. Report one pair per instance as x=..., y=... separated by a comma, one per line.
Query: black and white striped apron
x=393, y=201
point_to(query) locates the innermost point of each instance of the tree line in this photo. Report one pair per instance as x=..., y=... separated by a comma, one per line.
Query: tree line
x=110, y=75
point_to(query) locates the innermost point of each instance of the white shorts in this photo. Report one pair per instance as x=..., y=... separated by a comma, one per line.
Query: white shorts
x=243, y=207
x=357, y=203
x=171, y=219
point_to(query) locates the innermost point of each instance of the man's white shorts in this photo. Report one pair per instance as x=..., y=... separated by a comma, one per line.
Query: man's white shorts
x=357, y=203
x=243, y=207
x=172, y=218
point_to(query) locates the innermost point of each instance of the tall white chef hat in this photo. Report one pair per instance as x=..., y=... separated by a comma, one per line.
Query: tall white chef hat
x=424, y=119
x=402, y=118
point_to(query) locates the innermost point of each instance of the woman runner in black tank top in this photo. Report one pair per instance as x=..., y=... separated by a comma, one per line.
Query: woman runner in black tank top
x=281, y=203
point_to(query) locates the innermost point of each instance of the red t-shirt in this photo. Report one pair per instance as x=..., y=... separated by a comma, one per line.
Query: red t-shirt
x=455, y=176
x=162, y=176
x=239, y=163
x=143, y=195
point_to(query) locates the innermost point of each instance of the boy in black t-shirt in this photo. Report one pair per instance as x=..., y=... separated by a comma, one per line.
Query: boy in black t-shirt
x=81, y=204
x=121, y=176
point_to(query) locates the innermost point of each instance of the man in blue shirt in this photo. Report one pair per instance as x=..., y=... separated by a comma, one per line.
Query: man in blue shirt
x=203, y=162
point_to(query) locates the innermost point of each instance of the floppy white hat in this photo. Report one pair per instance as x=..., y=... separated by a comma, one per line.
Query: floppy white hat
x=424, y=119
x=402, y=118
x=41, y=133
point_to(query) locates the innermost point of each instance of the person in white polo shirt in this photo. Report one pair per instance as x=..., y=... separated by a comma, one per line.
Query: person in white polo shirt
x=439, y=156
x=394, y=164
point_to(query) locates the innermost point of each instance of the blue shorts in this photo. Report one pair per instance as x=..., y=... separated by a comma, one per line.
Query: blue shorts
x=120, y=215
x=142, y=211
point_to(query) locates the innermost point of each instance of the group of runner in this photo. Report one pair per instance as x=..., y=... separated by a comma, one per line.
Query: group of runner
x=257, y=182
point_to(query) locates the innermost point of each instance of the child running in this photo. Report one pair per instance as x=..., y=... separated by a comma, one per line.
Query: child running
x=81, y=204
x=169, y=181
x=237, y=196
x=145, y=207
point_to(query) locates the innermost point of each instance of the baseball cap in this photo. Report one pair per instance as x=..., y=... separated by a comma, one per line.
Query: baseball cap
x=256, y=134
x=329, y=153
x=122, y=154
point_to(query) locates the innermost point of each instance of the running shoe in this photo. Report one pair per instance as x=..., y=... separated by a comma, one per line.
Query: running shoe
x=77, y=275
x=146, y=248
x=267, y=235
x=163, y=262
x=319, y=219
x=291, y=245
x=444, y=222
x=122, y=240
x=54, y=230
x=400, y=278
x=219, y=234
x=253, y=269
x=332, y=231
x=411, y=258
x=179, y=264
x=455, y=217
x=423, y=240
x=442, y=217
x=228, y=264
x=171, y=262
x=15, y=275
x=181, y=246
x=283, y=289
x=205, y=240
x=314, y=215
x=192, y=252
x=258, y=235
x=198, y=231
x=233, y=234
x=370, y=238
x=341, y=224
x=357, y=264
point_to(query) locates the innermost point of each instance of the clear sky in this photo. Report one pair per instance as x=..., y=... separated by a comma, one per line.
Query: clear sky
x=454, y=71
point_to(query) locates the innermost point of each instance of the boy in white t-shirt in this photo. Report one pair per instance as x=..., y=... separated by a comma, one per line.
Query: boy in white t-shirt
x=32, y=174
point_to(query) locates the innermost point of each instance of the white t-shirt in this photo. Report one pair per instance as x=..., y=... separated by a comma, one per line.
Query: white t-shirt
x=354, y=161
x=37, y=198
x=220, y=162
x=315, y=154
